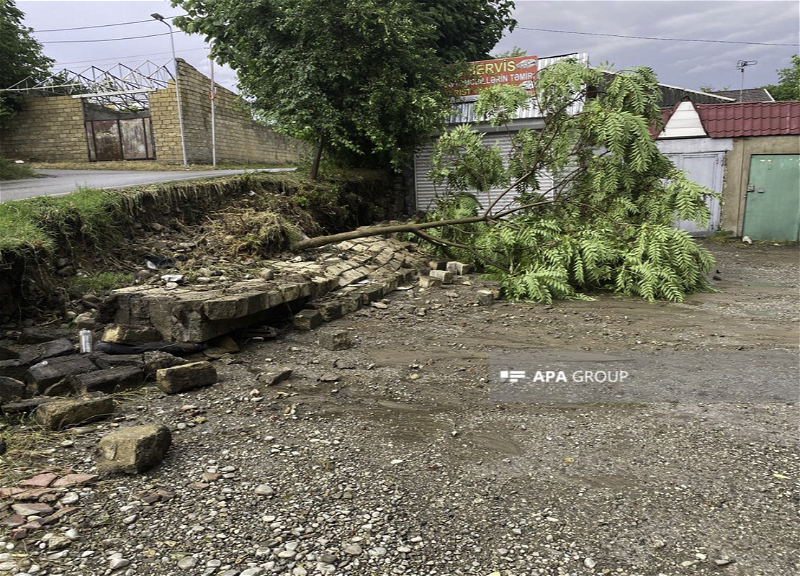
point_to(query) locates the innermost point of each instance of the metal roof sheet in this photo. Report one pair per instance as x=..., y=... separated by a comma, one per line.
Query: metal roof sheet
x=750, y=119
x=747, y=95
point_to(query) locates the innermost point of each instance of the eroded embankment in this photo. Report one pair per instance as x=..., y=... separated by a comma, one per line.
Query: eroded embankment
x=53, y=251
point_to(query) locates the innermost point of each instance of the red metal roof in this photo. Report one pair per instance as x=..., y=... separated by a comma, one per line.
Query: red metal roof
x=750, y=119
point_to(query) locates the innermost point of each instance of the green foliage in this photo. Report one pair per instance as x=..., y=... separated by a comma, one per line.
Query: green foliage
x=788, y=86
x=605, y=223
x=362, y=76
x=12, y=171
x=20, y=56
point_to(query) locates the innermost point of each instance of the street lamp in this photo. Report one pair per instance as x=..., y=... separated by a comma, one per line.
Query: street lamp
x=160, y=18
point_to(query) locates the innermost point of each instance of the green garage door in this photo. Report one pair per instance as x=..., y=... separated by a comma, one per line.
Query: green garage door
x=772, y=211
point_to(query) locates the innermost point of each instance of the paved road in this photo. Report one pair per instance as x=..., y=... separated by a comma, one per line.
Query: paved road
x=60, y=182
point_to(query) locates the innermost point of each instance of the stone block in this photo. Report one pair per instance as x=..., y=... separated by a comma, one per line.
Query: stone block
x=307, y=319
x=49, y=372
x=110, y=381
x=123, y=334
x=485, y=297
x=156, y=360
x=335, y=339
x=106, y=361
x=186, y=377
x=227, y=308
x=371, y=292
x=350, y=303
x=134, y=449
x=16, y=369
x=428, y=282
x=45, y=350
x=61, y=414
x=8, y=354
x=329, y=309
x=458, y=268
x=443, y=275
x=437, y=265
x=12, y=390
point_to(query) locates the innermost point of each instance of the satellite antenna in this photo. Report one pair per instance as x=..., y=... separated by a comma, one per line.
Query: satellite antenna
x=741, y=65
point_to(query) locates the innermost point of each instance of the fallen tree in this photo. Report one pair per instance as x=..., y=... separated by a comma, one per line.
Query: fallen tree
x=585, y=203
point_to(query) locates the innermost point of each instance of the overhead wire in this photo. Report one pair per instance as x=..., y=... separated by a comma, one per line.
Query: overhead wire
x=103, y=39
x=101, y=25
x=654, y=37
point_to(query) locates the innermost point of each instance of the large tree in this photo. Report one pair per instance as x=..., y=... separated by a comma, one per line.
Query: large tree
x=366, y=76
x=788, y=86
x=20, y=56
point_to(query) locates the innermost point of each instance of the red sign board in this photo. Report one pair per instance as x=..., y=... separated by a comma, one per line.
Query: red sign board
x=518, y=71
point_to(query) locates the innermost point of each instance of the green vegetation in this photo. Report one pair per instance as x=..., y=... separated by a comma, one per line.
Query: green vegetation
x=91, y=217
x=605, y=223
x=12, y=171
x=20, y=56
x=101, y=283
x=351, y=76
x=788, y=86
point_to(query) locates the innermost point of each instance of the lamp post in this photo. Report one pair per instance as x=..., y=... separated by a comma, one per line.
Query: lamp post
x=160, y=18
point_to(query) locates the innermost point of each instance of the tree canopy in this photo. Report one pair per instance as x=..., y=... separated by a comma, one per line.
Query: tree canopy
x=788, y=86
x=20, y=55
x=365, y=76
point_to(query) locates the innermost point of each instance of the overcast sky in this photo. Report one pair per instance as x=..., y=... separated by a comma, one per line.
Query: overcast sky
x=686, y=64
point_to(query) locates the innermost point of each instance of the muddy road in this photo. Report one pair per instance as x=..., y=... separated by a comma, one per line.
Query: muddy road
x=393, y=457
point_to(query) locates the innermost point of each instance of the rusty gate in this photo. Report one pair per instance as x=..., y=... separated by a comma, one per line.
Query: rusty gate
x=118, y=135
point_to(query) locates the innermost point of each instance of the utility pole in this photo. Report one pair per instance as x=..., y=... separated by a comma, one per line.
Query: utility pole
x=741, y=65
x=160, y=18
x=213, y=96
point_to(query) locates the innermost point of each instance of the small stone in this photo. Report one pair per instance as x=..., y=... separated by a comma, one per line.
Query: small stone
x=589, y=563
x=266, y=274
x=352, y=550
x=272, y=378
x=335, y=339
x=327, y=558
x=187, y=562
x=117, y=562
x=264, y=490
x=58, y=542
x=70, y=498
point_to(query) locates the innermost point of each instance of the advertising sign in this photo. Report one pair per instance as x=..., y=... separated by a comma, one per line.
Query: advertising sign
x=518, y=71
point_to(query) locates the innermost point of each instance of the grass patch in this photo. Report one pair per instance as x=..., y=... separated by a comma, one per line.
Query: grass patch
x=99, y=284
x=12, y=171
x=89, y=216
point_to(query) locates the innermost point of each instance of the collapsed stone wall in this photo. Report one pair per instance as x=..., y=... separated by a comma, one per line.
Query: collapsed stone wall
x=47, y=129
x=238, y=137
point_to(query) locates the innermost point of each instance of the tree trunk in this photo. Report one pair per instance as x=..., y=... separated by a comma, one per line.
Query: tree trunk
x=317, y=158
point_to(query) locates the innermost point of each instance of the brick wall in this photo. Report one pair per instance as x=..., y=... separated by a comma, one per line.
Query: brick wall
x=239, y=139
x=47, y=129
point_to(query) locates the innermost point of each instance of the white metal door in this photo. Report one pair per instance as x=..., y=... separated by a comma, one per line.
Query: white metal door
x=704, y=169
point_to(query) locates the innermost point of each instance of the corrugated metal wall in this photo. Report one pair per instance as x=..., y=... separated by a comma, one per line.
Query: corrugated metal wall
x=427, y=192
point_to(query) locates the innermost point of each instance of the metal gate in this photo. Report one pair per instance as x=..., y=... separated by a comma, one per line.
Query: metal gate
x=772, y=208
x=120, y=139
